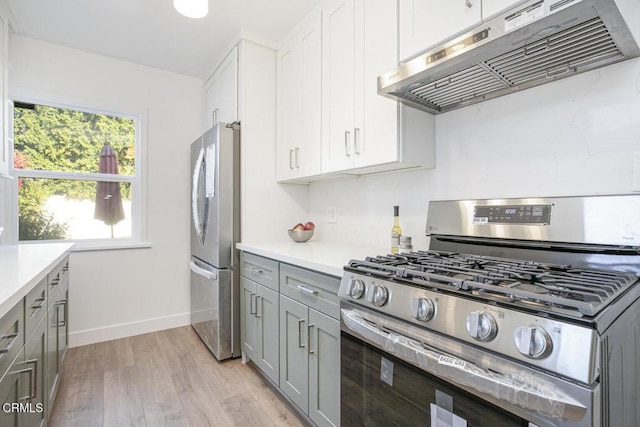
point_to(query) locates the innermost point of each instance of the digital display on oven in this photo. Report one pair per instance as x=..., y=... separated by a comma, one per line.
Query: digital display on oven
x=517, y=214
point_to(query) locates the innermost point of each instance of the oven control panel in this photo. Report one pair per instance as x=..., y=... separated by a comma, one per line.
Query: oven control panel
x=512, y=214
x=546, y=343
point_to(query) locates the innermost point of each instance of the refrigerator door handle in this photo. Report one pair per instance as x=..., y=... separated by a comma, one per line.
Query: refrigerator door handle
x=202, y=272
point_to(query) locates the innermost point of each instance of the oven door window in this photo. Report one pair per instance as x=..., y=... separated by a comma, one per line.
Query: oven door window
x=374, y=396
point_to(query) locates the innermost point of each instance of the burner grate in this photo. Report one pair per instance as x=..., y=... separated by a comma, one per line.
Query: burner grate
x=546, y=287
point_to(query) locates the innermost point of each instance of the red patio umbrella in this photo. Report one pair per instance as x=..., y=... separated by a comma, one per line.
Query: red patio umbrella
x=108, y=199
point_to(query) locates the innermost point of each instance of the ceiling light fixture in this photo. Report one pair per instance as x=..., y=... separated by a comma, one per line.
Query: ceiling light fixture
x=192, y=8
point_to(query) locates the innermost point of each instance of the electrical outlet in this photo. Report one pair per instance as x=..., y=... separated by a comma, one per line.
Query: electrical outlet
x=332, y=215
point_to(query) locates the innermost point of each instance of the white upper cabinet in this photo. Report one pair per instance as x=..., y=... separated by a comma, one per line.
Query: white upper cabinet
x=299, y=102
x=5, y=119
x=363, y=132
x=424, y=23
x=221, y=92
x=338, y=84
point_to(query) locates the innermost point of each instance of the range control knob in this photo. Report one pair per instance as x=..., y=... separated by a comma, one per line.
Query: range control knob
x=378, y=295
x=356, y=288
x=533, y=341
x=481, y=326
x=423, y=309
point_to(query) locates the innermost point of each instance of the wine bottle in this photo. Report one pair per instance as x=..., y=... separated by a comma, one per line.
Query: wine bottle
x=396, y=231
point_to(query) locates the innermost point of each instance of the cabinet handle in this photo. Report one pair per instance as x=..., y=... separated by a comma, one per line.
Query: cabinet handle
x=63, y=304
x=347, y=137
x=356, y=141
x=252, y=310
x=309, y=351
x=468, y=3
x=307, y=290
x=256, y=270
x=297, y=156
x=261, y=307
x=215, y=116
x=11, y=337
x=291, y=159
x=35, y=377
x=300, y=343
x=30, y=372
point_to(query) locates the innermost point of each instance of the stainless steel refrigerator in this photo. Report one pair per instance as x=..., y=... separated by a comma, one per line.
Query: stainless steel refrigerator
x=215, y=230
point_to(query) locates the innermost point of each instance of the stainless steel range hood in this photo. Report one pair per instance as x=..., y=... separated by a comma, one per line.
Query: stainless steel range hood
x=538, y=41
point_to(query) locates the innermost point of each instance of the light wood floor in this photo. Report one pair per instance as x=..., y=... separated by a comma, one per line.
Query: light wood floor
x=165, y=378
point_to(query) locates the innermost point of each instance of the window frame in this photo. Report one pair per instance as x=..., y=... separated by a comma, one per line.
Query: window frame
x=138, y=238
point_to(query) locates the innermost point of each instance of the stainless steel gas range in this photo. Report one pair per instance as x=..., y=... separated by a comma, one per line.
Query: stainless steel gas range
x=523, y=312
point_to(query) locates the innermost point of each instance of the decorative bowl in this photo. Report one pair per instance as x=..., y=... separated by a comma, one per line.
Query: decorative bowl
x=300, y=236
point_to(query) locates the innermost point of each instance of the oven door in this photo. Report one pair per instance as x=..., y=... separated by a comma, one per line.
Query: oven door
x=393, y=373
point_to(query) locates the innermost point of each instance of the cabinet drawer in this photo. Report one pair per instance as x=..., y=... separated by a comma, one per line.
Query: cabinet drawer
x=35, y=307
x=56, y=278
x=259, y=269
x=315, y=290
x=11, y=335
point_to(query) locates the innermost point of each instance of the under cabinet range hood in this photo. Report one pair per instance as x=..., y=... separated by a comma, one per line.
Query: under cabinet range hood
x=538, y=41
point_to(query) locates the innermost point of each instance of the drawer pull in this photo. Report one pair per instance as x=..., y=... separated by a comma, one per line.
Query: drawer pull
x=307, y=290
x=11, y=337
x=37, y=303
x=256, y=270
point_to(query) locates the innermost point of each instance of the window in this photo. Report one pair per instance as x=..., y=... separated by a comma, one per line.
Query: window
x=77, y=174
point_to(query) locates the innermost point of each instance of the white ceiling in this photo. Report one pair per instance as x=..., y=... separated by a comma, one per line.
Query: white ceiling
x=151, y=32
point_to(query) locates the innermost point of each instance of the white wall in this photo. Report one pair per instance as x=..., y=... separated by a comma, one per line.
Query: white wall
x=124, y=292
x=571, y=137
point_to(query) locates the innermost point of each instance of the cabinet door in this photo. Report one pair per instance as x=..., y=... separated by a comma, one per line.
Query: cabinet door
x=376, y=121
x=493, y=7
x=338, y=86
x=307, y=158
x=12, y=388
x=221, y=98
x=289, y=107
x=425, y=23
x=35, y=351
x=324, y=366
x=268, y=357
x=294, y=341
x=249, y=323
x=63, y=324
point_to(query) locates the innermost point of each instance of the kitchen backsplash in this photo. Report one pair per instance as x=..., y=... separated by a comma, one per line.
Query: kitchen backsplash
x=572, y=137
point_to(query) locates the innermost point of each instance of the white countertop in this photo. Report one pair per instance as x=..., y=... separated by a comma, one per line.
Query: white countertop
x=325, y=257
x=23, y=266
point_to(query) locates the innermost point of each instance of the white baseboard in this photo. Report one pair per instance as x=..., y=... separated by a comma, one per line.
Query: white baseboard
x=113, y=332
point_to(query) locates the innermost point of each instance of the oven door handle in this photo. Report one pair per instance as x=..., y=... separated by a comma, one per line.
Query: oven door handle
x=522, y=389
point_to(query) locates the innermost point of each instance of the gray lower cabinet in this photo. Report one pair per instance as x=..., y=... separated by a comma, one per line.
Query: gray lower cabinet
x=290, y=330
x=259, y=326
x=310, y=343
x=310, y=361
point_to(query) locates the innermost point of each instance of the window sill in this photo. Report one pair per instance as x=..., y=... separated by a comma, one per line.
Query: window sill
x=80, y=246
